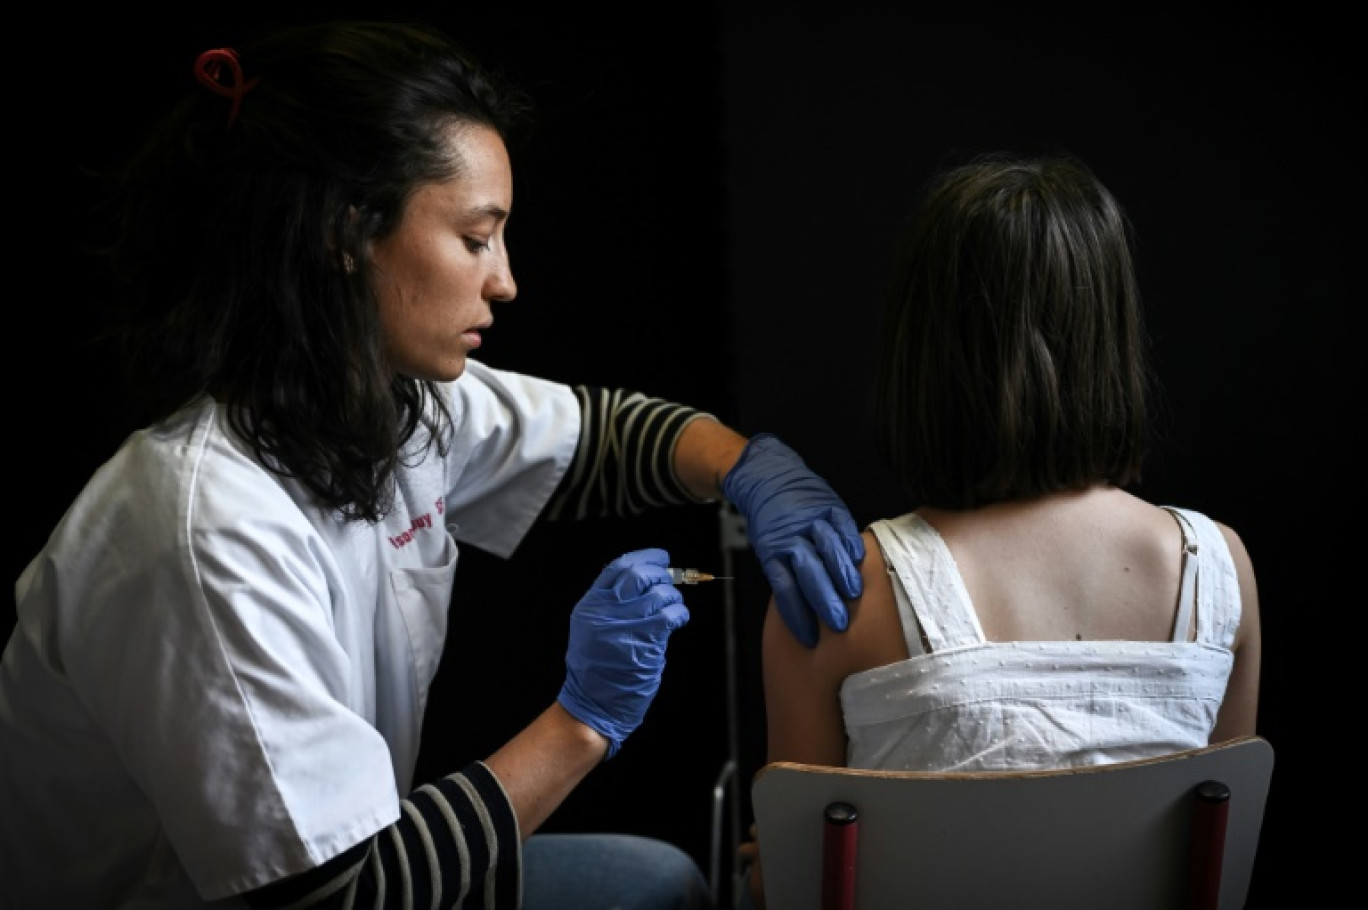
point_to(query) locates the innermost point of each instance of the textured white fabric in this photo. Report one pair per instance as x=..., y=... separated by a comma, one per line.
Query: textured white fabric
x=973, y=705
x=234, y=677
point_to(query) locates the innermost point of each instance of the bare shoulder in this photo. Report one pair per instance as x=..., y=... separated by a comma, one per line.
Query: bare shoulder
x=1234, y=543
x=875, y=635
x=1248, y=638
x=873, y=568
x=1240, y=709
x=1244, y=567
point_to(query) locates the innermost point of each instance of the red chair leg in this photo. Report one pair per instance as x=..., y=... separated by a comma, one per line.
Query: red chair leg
x=1210, y=812
x=840, y=841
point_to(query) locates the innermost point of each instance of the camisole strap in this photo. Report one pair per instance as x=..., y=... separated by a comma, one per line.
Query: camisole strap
x=1187, y=590
x=1217, y=594
x=930, y=592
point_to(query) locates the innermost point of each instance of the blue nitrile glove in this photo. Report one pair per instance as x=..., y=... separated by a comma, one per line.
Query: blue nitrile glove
x=618, y=633
x=803, y=534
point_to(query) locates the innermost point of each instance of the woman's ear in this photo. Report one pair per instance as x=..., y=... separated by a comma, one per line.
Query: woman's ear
x=337, y=247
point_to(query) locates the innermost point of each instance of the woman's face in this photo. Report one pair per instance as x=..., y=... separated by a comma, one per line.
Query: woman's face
x=440, y=270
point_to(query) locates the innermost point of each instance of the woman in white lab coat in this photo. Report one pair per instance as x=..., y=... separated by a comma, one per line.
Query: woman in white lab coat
x=215, y=688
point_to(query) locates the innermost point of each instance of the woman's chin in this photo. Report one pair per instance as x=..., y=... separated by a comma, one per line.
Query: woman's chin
x=446, y=371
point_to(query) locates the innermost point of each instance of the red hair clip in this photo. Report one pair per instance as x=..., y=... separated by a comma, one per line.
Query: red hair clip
x=209, y=71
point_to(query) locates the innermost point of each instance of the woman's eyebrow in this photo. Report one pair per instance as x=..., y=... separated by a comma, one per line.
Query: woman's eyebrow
x=488, y=210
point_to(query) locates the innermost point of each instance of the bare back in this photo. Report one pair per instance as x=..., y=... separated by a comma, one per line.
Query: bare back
x=1099, y=565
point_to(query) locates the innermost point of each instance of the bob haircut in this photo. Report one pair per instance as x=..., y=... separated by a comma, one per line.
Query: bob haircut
x=1013, y=361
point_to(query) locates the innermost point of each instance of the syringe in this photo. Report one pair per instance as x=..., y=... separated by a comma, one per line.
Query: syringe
x=693, y=576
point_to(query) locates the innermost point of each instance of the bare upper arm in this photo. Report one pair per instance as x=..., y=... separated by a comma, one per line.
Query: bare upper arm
x=803, y=686
x=1240, y=709
x=802, y=698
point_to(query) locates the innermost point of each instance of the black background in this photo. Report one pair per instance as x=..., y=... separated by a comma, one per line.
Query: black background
x=706, y=215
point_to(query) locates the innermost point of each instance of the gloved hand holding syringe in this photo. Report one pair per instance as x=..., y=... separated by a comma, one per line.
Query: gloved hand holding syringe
x=693, y=576
x=618, y=634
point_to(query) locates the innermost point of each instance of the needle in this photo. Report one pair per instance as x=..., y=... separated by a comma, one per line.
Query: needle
x=693, y=576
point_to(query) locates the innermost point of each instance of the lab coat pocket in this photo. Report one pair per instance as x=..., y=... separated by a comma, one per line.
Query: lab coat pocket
x=422, y=598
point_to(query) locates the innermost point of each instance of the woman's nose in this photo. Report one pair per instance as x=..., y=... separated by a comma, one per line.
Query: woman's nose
x=501, y=285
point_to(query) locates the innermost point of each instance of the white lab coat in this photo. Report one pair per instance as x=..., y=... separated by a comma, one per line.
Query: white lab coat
x=212, y=683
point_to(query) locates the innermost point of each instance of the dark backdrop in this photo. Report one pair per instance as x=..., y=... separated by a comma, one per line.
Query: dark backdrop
x=706, y=216
x=1228, y=137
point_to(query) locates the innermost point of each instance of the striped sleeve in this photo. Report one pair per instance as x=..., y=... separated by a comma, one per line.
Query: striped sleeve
x=624, y=463
x=456, y=844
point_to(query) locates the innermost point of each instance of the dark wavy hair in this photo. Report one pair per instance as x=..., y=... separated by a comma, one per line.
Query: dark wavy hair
x=227, y=239
x=1013, y=360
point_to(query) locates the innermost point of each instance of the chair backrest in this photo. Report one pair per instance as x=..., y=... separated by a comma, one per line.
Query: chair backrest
x=1133, y=834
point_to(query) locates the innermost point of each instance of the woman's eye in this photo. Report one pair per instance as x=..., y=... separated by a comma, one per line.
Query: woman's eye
x=476, y=245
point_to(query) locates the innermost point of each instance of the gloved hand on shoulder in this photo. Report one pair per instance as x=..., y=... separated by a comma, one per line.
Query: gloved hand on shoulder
x=803, y=534
x=618, y=633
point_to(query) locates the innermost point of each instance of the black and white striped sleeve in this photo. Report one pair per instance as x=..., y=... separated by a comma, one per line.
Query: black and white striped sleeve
x=456, y=844
x=624, y=463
